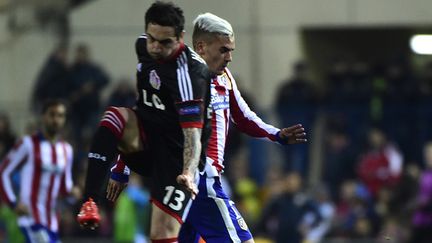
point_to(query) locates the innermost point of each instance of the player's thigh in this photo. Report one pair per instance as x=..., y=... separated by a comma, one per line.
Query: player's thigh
x=213, y=205
x=166, y=193
x=188, y=234
x=140, y=163
x=227, y=223
x=170, y=197
x=133, y=134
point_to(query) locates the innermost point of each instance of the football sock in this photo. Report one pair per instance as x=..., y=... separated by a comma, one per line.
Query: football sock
x=103, y=150
x=170, y=240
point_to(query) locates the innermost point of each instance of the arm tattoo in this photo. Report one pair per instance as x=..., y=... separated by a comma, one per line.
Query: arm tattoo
x=192, y=149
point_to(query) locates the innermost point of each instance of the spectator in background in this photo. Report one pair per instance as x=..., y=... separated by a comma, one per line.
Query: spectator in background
x=339, y=158
x=355, y=216
x=53, y=81
x=422, y=220
x=399, y=106
x=123, y=95
x=284, y=217
x=326, y=208
x=347, y=95
x=381, y=165
x=7, y=137
x=296, y=103
x=44, y=161
x=88, y=81
x=404, y=197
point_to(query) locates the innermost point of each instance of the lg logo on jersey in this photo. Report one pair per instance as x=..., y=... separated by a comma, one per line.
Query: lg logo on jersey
x=153, y=101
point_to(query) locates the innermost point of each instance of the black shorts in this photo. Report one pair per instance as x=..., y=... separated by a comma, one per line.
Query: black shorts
x=161, y=162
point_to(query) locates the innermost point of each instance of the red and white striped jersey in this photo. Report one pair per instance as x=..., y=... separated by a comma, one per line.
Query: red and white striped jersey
x=45, y=171
x=227, y=103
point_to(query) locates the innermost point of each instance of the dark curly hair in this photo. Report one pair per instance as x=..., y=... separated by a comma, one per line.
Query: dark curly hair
x=166, y=14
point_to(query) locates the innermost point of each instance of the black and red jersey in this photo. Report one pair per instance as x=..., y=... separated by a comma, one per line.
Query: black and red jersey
x=173, y=94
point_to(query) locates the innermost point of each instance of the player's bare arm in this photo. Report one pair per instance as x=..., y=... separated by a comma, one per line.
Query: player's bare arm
x=191, y=156
x=293, y=134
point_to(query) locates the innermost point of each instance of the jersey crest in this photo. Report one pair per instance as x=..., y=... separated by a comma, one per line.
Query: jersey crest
x=219, y=97
x=154, y=79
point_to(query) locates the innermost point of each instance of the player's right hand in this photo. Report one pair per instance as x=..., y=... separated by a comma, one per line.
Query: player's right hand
x=187, y=180
x=89, y=217
x=114, y=189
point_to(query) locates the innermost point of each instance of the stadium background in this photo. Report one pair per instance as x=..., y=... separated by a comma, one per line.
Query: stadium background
x=274, y=39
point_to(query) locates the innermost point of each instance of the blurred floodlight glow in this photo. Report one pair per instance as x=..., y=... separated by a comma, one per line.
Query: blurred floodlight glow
x=421, y=44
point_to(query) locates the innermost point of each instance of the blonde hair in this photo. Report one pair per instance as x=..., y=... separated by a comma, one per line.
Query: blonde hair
x=208, y=24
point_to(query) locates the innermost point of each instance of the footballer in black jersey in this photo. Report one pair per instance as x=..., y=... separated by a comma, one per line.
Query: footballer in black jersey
x=164, y=136
x=173, y=94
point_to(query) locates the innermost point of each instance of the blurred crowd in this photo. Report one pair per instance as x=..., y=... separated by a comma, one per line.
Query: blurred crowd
x=375, y=179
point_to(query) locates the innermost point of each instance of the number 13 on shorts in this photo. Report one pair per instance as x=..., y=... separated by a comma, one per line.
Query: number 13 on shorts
x=174, y=198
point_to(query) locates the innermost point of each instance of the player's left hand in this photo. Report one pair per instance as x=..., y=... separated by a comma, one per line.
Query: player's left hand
x=114, y=189
x=293, y=134
x=187, y=180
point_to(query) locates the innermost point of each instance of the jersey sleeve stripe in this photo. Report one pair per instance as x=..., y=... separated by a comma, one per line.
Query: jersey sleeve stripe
x=188, y=79
x=244, y=118
x=180, y=84
x=184, y=80
x=180, y=80
x=185, y=76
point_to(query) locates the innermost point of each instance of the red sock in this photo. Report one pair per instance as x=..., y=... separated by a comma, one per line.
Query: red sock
x=170, y=240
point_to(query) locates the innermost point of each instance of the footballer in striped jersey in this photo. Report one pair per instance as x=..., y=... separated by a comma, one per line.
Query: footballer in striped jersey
x=44, y=161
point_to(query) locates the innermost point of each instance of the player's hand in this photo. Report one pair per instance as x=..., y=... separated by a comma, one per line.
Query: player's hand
x=293, y=134
x=187, y=180
x=21, y=209
x=89, y=217
x=114, y=189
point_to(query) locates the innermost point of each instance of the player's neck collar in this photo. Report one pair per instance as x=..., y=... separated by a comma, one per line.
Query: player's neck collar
x=176, y=54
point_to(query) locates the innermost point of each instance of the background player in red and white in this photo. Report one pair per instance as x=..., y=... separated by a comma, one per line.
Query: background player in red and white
x=163, y=135
x=44, y=161
x=213, y=40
